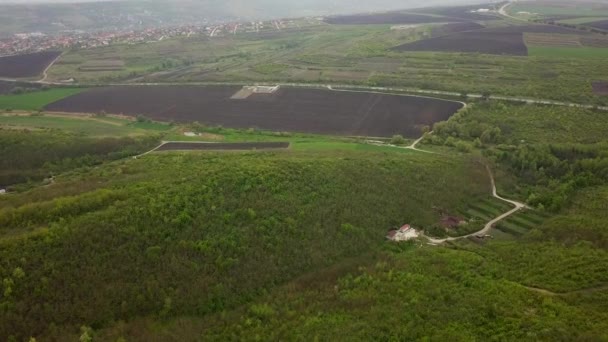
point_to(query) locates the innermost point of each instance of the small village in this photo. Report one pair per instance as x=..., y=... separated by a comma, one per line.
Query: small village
x=29, y=42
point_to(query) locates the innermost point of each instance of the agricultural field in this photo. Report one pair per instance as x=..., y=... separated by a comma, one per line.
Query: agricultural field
x=601, y=24
x=456, y=27
x=600, y=87
x=518, y=225
x=102, y=65
x=475, y=41
x=91, y=126
x=347, y=54
x=568, y=52
x=213, y=146
x=36, y=100
x=287, y=109
x=25, y=66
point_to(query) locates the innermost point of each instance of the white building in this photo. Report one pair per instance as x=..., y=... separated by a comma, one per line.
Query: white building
x=402, y=234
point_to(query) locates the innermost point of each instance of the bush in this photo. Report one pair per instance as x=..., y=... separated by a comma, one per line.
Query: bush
x=398, y=140
x=463, y=147
x=141, y=118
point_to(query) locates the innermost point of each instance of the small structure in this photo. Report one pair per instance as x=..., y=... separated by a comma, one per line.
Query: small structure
x=247, y=91
x=402, y=234
x=2, y=191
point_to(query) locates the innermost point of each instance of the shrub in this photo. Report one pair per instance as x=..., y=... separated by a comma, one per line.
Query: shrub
x=398, y=140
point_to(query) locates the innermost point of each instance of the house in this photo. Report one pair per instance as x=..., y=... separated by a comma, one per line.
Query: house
x=404, y=233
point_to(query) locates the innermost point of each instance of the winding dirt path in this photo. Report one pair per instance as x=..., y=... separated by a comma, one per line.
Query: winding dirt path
x=517, y=207
x=44, y=73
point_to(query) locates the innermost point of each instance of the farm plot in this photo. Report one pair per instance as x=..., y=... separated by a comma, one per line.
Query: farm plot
x=102, y=65
x=598, y=42
x=539, y=28
x=287, y=109
x=602, y=24
x=519, y=224
x=392, y=18
x=207, y=146
x=473, y=217
x=456, y=27
x=29, y=65
x=487, y=42
x=600, y=87
x=549, y=39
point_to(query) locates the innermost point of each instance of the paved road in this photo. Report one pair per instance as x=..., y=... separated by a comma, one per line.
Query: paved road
x=503, y=11
x=517, y=207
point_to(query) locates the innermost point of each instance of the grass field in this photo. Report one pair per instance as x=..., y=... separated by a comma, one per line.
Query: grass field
x=35, y=100
x=568, y=52
x=90, y=126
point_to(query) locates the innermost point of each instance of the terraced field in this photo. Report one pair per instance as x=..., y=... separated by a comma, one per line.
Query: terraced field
x=519, y=224
x=478, y=213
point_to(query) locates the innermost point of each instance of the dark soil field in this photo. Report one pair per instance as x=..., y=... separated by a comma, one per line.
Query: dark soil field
x=600, y=88
x=29, y=65
x=288, y=109
x=470, y=37
x=456, y=27
x=388, y=18
x=475, y=41
x=602, y=24
x=192, y=146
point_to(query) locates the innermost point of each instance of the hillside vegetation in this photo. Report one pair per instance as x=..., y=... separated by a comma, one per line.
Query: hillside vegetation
x=240, y=225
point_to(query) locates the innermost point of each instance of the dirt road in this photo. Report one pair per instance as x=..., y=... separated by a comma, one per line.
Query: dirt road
x=517, y=207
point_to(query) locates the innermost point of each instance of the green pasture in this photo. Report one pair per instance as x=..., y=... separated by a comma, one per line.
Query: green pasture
x=568, y=52
x=90, y=126
x=36, y=100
